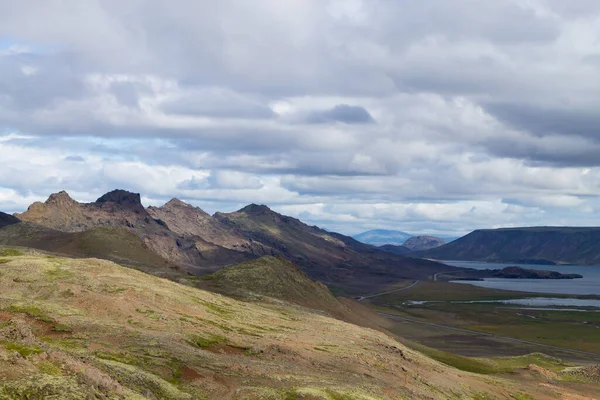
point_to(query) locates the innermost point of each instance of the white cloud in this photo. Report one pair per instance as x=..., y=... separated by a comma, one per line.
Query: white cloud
x=443, y=116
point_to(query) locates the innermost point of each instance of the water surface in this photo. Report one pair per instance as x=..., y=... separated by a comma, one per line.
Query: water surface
x=589, y=284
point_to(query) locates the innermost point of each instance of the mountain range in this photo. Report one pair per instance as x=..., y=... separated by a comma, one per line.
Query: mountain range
x=539, y=245
x=181, y=238
x=382, y=237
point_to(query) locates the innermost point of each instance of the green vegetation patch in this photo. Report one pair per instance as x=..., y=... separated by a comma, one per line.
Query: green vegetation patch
x=206, y=341
x=479, y=366
x=31, y=310
x=121, y=357
x=150, y=314
x=111, y=289
x=57, y=273
x=213, y=308
x=48, y=368
x=61, y=328
x=522, y=396
x=23, y=350
x=10, y=252
x=539, y=359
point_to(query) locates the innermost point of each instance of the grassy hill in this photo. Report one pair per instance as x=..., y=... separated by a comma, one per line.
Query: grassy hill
x=88, y=328
x=111, y=243
x=277, y=278
x=535, y=244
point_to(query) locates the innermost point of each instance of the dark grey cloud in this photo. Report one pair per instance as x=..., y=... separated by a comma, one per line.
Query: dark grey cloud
x=547, y=120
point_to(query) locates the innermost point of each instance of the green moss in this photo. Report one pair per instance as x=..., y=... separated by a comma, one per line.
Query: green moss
x=5, y=324
x=4, y=261
x=23, y=350
x=111, y=289
x=200, y=341
x=151, y=314
x=219, y=325
x=31, y=310
x=522, y=396
x=43, y=386
x=213, y=308
x=70, y=344
x=10, y=252
x=121, y=357
x=56, y=273
x=49, y=368
x=339, y=396
x=461, y=362
x=61, y=328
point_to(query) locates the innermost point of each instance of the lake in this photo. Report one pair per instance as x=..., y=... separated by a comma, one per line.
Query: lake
x=589, y=284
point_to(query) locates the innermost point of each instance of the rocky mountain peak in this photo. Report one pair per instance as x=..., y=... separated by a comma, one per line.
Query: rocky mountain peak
x=121, y=197
x=256, y=209
x=175, y=202
x=61, y=198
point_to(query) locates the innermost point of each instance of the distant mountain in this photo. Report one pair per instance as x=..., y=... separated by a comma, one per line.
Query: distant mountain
x=380, y=237
x=540, y=245
x=417, y=243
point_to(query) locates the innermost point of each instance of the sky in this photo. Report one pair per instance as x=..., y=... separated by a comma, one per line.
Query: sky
x=438, y=116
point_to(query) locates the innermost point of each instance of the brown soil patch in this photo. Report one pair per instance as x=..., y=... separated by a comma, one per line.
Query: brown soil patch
x=5, y=316
x=190, y=374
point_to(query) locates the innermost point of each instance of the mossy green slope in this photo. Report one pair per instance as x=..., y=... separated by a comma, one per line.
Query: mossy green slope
x=111, y=243
x=133, y=335
x=274, y=277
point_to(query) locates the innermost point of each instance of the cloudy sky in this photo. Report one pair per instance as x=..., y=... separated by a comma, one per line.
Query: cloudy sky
x=437, y=116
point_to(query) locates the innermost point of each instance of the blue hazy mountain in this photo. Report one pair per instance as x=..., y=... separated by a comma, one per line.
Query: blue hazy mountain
x=379, y=237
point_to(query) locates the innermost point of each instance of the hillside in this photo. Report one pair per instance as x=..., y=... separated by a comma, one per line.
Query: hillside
x=115, y=244
x=380, y=237
x=391, y=248
x=74, y=329
x=7, y=219
x=275, y=277
x=329, y=257
x=417, y=243
x=535, y=244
